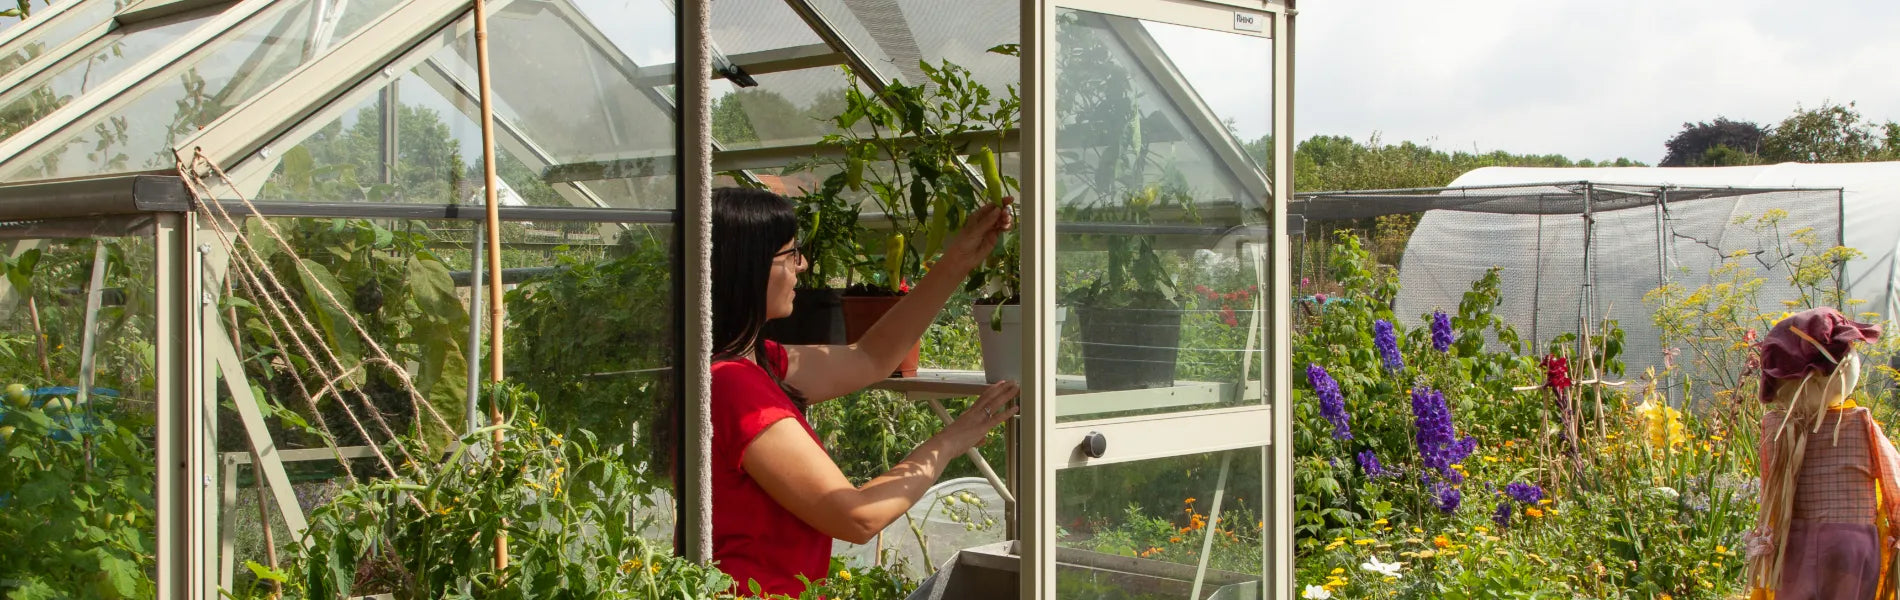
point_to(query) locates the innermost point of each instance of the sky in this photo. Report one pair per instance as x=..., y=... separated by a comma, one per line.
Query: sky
x=1594, y=79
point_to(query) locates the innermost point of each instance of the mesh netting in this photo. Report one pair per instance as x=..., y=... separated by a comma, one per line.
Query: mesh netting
x=1579, y=253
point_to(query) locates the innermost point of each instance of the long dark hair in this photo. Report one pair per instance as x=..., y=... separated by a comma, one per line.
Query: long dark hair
x=748, y=228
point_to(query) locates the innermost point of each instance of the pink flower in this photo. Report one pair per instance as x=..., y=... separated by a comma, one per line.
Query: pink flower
x=1319, y=298
x=903, y=287
x=1305, y=282
x=1749, y=338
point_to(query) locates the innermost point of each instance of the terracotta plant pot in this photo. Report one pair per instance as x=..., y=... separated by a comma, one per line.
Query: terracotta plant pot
x=860, y=312
x=1129, y=349
x=817, y=319
x=1003, y=347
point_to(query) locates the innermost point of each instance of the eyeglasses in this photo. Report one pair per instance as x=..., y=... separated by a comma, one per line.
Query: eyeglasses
x=794, y=251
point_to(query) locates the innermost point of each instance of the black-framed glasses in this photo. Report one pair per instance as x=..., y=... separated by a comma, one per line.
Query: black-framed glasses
x=795, y=251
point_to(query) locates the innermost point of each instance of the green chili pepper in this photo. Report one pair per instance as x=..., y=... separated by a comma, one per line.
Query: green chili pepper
x=992, y=179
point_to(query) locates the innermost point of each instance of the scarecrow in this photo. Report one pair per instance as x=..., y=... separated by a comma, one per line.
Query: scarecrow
x=1830, y=479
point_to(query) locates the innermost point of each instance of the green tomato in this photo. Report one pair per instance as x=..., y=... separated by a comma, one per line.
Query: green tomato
x=17, y=395
x=6, y=433
x=58, y=405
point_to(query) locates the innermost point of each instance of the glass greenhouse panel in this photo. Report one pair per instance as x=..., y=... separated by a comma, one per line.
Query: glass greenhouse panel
x=894, y=35
x=78, y=422
x=791, y=108
x=1193, y=524
x=97, y=63
x=1161, y=219
x=138, y=135
x=606, y=140
x=76, y=20
x=407, y=283
x=742, y=26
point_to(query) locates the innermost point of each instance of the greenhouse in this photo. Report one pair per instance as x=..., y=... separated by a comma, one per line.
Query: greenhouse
x=414, y=298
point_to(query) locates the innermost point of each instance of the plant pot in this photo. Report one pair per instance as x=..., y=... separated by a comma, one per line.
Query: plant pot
x=1129, y=348
x=1003, y=348
x=817, y=319
x=861, y=312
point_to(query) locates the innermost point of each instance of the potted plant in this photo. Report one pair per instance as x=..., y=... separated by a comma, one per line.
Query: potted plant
x=830, y=229
x=1131, y=315
x=903, y=148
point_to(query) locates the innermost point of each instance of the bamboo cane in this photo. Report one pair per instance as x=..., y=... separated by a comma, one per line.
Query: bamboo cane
x=491, y=201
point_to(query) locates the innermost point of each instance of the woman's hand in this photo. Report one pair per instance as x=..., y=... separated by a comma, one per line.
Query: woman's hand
x=995, y=406
x=973, y=243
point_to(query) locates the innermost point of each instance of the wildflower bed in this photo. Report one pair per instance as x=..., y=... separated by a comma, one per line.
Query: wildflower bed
x=1524, y=471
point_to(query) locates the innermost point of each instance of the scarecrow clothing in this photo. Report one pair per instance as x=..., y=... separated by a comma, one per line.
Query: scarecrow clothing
x=1833, y=548
x=1830, y=478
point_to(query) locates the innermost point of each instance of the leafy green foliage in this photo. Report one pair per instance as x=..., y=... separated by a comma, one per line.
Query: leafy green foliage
x=77, y=490
x=605, y=373
x=565, y=505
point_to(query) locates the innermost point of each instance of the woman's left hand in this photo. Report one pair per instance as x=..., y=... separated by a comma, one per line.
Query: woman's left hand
x=977, y=239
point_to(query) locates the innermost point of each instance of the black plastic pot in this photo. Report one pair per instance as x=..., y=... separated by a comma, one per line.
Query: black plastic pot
x=817, y=319
x=1129, y=348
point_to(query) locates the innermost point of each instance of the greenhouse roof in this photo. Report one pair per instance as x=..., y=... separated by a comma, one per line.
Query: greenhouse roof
x=376, y=100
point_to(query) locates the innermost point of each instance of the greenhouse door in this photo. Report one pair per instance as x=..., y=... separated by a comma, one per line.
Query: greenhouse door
x=1155, y=230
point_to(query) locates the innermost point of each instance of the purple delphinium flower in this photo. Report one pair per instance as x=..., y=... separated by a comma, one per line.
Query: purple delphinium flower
x=1387, y=341
x=1447, y=497
x=1438, y=444
x=1369, y=463
x=1332, y=404
x=1503, y=515
x=1333, y=462
x=1441, y=331
x=1524, y=492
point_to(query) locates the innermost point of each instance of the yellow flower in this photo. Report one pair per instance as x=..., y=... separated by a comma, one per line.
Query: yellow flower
x=1337, y=572
x=1720, y=549
x=845, y=574
x=1379, y=522
x=1544, y=502
x=1533, y=512
x=1481, y=529
x=1363, y=542
x=1334, y=546
x=1441, y=541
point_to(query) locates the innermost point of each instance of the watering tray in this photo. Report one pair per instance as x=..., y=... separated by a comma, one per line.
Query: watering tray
x=992, y=571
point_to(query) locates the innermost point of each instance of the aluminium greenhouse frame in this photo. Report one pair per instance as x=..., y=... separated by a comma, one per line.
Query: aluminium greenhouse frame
x=313, y=93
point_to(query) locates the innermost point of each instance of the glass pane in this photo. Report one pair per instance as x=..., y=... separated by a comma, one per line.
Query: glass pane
x=603, y=141
x=76, y=20
x=794, y=107
x=1161, y=218
x=212, y=80
x=741, y=26
x=1147, y=529
x=407, y=282
x=895, y=35
x=96, y=64
x=79, y=477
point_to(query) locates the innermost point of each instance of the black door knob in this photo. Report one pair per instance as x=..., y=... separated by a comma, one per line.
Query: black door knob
x=1094, y=445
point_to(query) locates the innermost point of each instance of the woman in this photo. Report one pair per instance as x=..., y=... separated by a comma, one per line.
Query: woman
x=778, y=499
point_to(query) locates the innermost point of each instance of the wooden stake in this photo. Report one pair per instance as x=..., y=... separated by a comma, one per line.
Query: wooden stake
x=493, y=204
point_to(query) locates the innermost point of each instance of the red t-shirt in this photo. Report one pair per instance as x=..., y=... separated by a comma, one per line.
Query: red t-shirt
x=753, y=537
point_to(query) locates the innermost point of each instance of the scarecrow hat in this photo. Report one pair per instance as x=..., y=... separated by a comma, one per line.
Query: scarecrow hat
x=1813, y=340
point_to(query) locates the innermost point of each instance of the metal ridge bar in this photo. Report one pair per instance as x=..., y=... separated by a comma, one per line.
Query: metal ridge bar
x=738, y=160
x=93, y=197
x=762, y=62
x=51, y=58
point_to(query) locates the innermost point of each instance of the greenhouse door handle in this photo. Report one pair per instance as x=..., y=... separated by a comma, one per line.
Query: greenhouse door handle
x=1094, y=445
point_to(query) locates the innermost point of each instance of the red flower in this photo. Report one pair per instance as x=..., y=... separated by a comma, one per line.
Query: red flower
x=1227, y=316
x=1557, y=373
x=1202, y=290
x=903, y=287
x=1749, y=338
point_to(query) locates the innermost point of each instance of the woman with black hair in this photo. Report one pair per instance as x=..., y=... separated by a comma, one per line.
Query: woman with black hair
x=778, y=499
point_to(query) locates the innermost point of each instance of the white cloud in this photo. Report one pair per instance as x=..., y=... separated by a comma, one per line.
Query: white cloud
x=1584, y=78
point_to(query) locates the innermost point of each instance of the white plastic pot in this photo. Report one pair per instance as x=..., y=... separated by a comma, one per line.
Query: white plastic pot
x=1003, y=348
